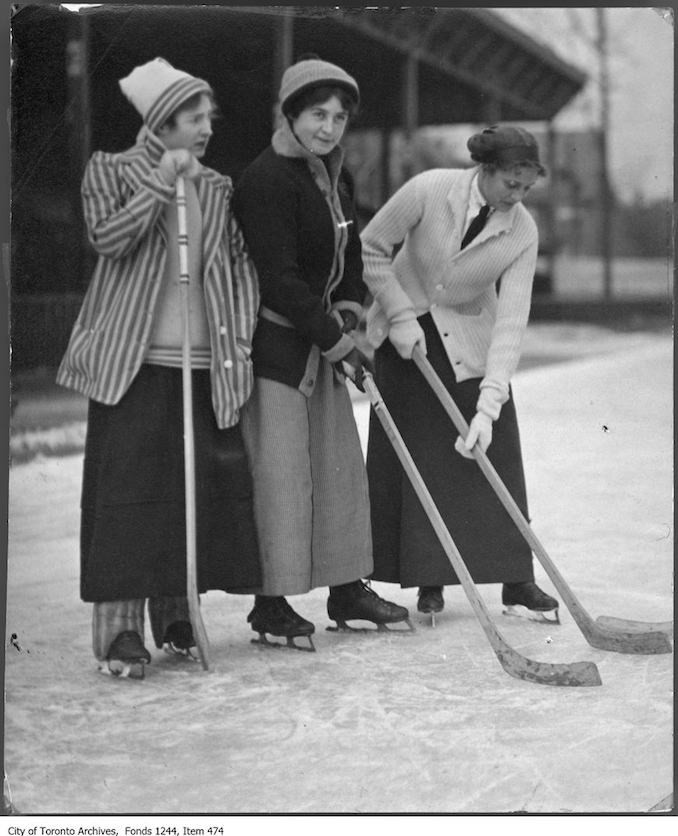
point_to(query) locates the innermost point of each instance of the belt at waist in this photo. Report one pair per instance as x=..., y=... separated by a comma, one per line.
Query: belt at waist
x=272, y=316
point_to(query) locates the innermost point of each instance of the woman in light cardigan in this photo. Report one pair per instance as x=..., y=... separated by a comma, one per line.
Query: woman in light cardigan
x=460, y=288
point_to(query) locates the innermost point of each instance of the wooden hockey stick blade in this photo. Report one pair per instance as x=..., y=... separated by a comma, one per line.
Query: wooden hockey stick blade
x=613, y=623
x=604, y=636
x=192, y=593
x=516, y=665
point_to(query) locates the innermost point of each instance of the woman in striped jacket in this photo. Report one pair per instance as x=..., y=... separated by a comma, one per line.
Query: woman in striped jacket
x=460, y=288
x=125, y=355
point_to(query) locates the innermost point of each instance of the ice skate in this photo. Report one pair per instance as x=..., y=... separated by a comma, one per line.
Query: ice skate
x=179, y=640
x=275, y=616
x=127, y=657
x=431, y=601
x=526, y=600
x=359, y=602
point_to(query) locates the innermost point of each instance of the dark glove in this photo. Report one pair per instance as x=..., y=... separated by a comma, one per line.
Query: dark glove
x=353, y=366
x=350, y=320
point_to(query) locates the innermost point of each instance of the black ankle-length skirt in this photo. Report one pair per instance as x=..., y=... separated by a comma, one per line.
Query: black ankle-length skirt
x=133, y=528
x=406, y=548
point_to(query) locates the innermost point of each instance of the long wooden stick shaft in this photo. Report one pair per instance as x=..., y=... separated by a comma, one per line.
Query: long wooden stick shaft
x=545, y=673
x=192, y=594
x=605, y=637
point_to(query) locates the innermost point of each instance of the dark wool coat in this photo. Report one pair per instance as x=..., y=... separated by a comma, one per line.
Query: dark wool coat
x=284, y=206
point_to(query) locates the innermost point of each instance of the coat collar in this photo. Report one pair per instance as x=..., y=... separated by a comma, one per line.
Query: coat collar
x=458, y=198
x=211, y=188
x=147, y=153
x=286, y=144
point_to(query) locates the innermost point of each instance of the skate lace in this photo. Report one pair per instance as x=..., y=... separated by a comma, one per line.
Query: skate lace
x=367, y=587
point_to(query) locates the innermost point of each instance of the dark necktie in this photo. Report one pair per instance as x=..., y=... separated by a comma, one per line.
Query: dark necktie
x=476, y=225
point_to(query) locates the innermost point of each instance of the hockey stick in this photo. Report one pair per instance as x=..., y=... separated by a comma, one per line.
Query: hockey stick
x=199, y=632
x=606, y=634
x=545, y=673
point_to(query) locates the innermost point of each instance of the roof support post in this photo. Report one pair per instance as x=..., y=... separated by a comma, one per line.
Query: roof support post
x=385, y=165
x=283, y=51
x=605, y=195
x=78, y=118
x=551, y=198
x=410, y=108
x=491, y=109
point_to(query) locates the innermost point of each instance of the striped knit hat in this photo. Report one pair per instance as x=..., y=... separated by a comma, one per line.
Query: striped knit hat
x=156, y=90
x=312, y=72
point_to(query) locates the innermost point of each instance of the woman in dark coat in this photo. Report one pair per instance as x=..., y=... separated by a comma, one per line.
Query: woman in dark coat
x=295, y=206
x=460, y=288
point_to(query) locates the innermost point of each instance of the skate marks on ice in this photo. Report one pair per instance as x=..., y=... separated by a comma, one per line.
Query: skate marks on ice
x=427, y=723
x=367, y=724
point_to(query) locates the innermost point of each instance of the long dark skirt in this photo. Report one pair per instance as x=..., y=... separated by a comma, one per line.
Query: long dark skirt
x=133, y=529
x=406, y=548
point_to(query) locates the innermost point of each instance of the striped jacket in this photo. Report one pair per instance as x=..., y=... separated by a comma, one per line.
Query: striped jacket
x=124, y=197
x=481, y=330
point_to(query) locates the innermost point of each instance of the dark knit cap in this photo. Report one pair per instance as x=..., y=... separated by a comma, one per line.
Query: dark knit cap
x=503, y=146
x=312, y=72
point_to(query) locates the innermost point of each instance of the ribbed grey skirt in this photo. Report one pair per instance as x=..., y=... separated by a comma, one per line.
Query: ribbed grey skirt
x=311, y=501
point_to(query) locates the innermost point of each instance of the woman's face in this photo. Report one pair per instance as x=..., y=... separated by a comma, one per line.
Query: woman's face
x=192, y=128
x=505, y=187
x=321, y=126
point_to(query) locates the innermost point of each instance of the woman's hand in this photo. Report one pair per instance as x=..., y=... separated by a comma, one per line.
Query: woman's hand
x=405, y=336
x=353, y=365
x=178, y=162
x=480, y=431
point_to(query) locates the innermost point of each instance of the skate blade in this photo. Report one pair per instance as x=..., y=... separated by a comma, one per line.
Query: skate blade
x=519, y=611
x=181, y=652
x=343, y=627
x=432, y=614
x=123, y=670
x=263, y=641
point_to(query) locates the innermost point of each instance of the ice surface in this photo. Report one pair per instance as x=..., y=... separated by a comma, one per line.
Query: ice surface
x=427, y=722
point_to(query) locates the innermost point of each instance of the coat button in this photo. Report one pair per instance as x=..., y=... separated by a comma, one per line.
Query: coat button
x=439, y=287
x=228, y=364
x=222, y=330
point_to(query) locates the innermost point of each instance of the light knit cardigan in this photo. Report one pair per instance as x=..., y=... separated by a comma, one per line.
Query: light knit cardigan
x=482, y=332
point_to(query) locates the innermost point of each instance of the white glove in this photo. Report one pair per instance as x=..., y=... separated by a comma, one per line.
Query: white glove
x=480, y=431
x=178, y=161
x=405, y=335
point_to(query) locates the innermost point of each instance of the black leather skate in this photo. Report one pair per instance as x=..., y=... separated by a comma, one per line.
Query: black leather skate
x=275, y=616
x=179, y=640
x=359, y=602
x=127, y=657
x=526, y=600
x=431, y=601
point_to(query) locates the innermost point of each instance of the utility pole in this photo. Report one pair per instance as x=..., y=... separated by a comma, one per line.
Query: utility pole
x=79, y=122
x=605, y=197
